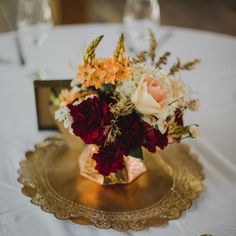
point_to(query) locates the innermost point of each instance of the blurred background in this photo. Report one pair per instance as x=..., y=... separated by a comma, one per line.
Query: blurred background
x=212, y=15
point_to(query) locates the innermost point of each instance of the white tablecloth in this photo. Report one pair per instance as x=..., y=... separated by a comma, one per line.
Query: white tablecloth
x=214, y=81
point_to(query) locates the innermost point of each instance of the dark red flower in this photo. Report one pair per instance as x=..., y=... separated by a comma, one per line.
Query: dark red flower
x=132, y=135
x=153, y=137
x=109, y=159
x=136, y=133
x=89, y=119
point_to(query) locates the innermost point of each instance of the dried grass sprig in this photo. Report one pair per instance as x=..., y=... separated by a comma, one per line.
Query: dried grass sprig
x=187, y=66
x=176, y=130
x=123, y=107
x=141, y=57
x=90, y=51
x=111, y=132
x=153, y=45
x=163, y=60
x=191, y=65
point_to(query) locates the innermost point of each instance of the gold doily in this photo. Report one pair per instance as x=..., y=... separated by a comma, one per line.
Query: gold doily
x=51, y=178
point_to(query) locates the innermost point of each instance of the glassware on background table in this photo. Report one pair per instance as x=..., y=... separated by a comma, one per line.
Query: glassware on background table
x=34, y=22
x=139, y=15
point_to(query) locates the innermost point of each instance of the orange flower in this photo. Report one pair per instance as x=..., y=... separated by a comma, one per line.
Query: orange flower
x=103, y=71
x=124, y=73
x=94, y=75
x=85, y=72
x=98, y=77
x=124, y=70
x=112, y=68
x=67, y=97
x=112, y=65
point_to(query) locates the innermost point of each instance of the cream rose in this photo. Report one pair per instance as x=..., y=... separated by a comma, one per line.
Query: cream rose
x=151, y=96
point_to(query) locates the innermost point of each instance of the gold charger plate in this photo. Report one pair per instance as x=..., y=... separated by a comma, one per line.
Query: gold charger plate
x=50, y=177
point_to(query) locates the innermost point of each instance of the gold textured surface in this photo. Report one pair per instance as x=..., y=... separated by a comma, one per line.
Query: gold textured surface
x=51, y=178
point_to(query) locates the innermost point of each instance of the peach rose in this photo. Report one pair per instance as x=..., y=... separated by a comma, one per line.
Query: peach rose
x=151, y=96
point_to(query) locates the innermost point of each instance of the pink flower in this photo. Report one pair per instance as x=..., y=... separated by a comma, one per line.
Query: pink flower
x=151, y=96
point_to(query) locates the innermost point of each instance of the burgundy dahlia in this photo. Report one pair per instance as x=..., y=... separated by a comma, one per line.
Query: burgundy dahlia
x=131, y=127
x=89, y=119
x=153, y=137
x=109, y=159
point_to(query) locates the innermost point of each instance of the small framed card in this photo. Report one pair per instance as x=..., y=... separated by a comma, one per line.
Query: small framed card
x=43, y=89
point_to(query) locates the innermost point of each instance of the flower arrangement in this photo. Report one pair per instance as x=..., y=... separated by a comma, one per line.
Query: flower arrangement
x=122, y=104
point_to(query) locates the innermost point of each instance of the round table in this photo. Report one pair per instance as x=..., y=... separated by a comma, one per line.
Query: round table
x=214, y=82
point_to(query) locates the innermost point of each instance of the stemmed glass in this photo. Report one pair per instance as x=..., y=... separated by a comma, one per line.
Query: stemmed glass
x=34, y=22
x=139, y=15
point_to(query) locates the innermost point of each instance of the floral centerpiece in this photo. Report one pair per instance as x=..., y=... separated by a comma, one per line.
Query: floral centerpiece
x=119, y=105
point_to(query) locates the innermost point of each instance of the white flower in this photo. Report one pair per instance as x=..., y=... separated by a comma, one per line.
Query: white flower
x=178, y=89
x=161, y=125
x=194, y=131
x=74, y=82
x=76, y=89
x=77, y=102
x=89, y=96
x=141, y=69
x=126, y=88
x=63, y=114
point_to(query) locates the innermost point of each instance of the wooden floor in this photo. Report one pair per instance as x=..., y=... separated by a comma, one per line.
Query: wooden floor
x=213, y=15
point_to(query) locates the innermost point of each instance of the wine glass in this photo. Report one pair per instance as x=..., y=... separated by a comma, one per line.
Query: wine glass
x=34, y=22
x=139, y=16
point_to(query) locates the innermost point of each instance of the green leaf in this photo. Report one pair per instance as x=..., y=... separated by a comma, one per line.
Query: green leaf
x=137, y=152
x=107, y=88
